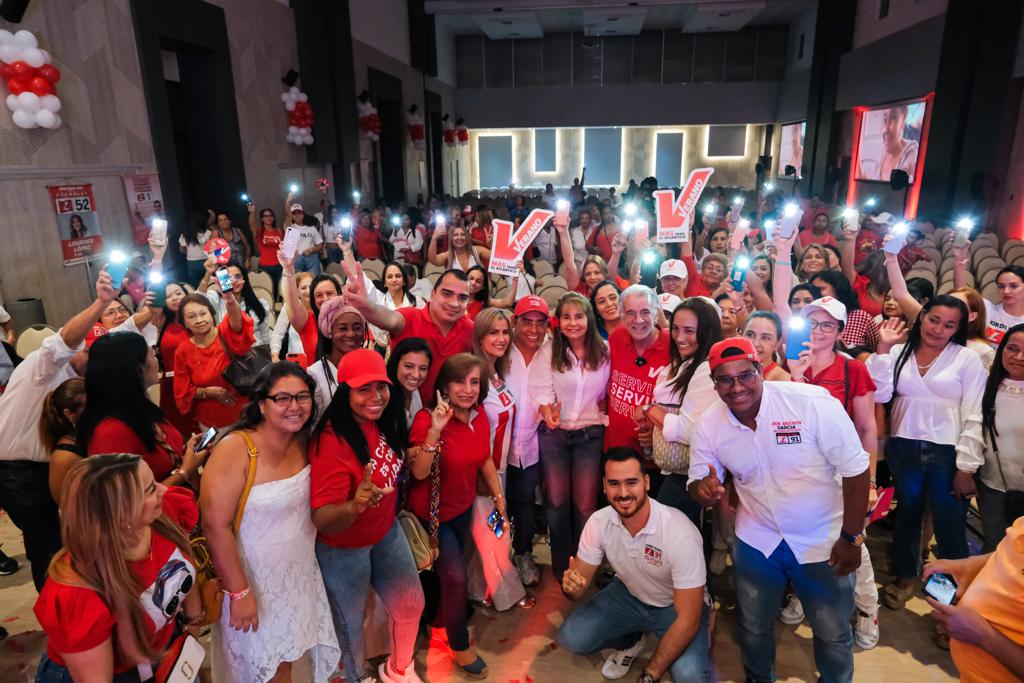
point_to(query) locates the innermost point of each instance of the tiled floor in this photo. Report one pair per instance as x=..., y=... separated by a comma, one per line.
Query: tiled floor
x=518, y=645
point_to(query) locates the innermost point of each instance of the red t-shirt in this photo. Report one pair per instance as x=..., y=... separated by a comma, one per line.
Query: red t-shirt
x=269, y=244
x=195, y=367
x=694, y=282
x=867, y=242
x=310, y=335
x=868, y=304
x=474, y=308
x=834, y=378
x=335, y=474
x=620, y=282
x=808, y=236
x=599, y=239
x=367, y=242
x=464, y=451
x=478, y=235
x=76, y=619
x=459, y=339
x=631, y=385
x=114, y=436
x=172, y=337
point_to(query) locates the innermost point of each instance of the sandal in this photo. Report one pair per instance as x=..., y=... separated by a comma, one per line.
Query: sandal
x=895, y=597
x=477, y=669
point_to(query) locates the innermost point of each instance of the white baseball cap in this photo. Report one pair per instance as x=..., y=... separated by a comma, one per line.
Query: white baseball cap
x=834, y=307
x=295, y=207
x=884, y=218
x=673, y=267
x=668, y=302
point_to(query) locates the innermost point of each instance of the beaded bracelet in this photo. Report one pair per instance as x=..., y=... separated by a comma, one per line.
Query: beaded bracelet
x=239, y=595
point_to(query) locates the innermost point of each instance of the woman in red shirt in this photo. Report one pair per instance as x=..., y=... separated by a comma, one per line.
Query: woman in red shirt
x=268, y=237
x=199, y=388
x=356, y=458
x=172, y=334
x=456, y=436
x=123, y=576
x=119, y=418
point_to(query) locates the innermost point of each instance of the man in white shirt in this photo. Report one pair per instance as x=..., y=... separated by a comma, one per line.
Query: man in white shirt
x=802, y=477
x=658, y=558
x=529, y=334
x=24, y=462
x=311, y=243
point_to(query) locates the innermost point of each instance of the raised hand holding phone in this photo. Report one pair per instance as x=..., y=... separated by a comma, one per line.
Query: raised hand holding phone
x=290, y=243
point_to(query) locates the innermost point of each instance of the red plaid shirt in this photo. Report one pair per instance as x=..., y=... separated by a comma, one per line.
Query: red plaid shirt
x=861, y=330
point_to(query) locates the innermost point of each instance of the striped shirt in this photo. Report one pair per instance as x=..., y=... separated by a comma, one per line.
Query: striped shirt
x=500, y=407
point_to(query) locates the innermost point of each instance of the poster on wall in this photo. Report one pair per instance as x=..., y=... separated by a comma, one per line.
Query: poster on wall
x=77, y=222
x=791, y=149
x=145, y=202
x=890, y=139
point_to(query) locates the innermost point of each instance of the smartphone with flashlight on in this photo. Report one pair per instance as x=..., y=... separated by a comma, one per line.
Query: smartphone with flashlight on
x=739, y=272
x=897, y=240
x=737, y=206
x=963, y=232
x=158, y=231
x=290, y=243
x=769, y=230
x=117, y=267
x=851, y=217
x=155, y=284
x=224, y=280
x=791, y=216
x=797, y=334
x=739, y=234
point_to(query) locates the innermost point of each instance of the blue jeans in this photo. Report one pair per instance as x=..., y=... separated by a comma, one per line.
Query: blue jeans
x=674, y=494
x=450, y=566
x=50, y=671
x=521, y=492
x=827, y=600
x=612, y=617
x=921, y=471
x=572, y=478
x=195, y=271
x=275, y=277
x=332, y=255
x=308, y=264
x=348, y=574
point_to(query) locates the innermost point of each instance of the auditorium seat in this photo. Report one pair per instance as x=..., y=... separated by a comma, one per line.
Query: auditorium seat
x=32, y=338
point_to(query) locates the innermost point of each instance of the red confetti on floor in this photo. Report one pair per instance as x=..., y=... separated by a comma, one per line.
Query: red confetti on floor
x=10, y=619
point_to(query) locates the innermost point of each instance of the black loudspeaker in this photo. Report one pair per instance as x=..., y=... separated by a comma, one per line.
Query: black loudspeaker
x=790, y=169
x=13, y=10
x=983, y=185
x=758, y=168
x=898, y=179
x=765, y=160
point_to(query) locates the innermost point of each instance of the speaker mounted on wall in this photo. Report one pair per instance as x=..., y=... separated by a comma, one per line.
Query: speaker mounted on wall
x=898, y=179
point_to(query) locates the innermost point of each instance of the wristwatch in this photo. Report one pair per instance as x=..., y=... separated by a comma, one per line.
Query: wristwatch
x=850, y=538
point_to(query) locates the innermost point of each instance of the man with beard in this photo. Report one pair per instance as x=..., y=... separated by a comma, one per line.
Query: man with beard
x=657, y=555
x=786, y=445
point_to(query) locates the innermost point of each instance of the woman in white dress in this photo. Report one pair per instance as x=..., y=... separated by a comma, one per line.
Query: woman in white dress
x=275, y=605
x=396, y=295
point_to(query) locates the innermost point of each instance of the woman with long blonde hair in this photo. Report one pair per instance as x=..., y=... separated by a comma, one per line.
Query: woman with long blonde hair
x=462, y=253
x=125, y=572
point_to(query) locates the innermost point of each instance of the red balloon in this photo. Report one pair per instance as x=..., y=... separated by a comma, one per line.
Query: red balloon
x=40, y=86
x=16, y=86
x=21, y=69
x=5, y=71
x=49, y=72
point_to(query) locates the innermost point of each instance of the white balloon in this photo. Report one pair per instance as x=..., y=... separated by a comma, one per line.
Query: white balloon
x=46, y=119
x=292, y=130
x=290, y=106
x=303, y=97
x=24, y=119
x=5, y=36
x=51, y=103
x=284, y=97
x=47, y=59
x=308, y=139
x=59, y=121
x=34, y=57
x=294, y=90
x=29, y=101
x=25, y=38
x=12, y=102
x=9, y=53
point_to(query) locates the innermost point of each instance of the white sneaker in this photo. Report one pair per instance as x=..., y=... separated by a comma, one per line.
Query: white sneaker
x=389, y=675
x=792, y=613
x=865, y=630
x=718, y=561
x=619, y=662
x=529, y=575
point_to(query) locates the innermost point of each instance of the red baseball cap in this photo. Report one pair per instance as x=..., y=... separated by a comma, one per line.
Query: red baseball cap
x=531, y=304
x=728, y=350
x=360, y=367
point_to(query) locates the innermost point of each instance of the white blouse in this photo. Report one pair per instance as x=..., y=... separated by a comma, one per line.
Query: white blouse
x=942, y=407
x=1010, y=440
x=325, y=376
x=700, y=395
x=578, y=388
x=381, y=337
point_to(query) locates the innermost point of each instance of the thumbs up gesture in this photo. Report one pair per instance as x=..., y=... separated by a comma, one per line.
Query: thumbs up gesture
x=367, y=493
x=709, y=490
x=573, y=583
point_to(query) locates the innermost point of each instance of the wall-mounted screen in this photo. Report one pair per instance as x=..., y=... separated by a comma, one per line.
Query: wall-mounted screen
x=668, y=159
x=727, y=141
x=494, y=160
x=890, y=139
x=791, y=149
x=602, y=155
x=545, y=150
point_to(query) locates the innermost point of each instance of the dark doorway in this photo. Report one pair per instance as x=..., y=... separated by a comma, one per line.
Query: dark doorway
x=435, y=141
x=176, y=107
x=392, y=154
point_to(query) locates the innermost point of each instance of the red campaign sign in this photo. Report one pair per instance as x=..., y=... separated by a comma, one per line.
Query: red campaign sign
x=145, y=202
x=77, y=222
x=673, y=214
x=507, y=249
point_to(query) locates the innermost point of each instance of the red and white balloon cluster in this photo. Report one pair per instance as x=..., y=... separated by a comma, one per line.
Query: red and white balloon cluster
x=300, y=116
x=448, y=133
x=30, y=76
x=417, y=131
x=369, y=120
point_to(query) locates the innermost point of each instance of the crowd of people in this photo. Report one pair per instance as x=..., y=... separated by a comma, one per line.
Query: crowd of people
x=383, y=440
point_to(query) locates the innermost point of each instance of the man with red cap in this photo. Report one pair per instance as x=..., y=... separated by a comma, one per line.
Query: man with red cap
x=529, y=334
x=786, y=445
x=442, y=324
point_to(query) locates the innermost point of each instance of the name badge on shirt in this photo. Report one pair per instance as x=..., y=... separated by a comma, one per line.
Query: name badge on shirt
x=787, y=432
x=652, y=555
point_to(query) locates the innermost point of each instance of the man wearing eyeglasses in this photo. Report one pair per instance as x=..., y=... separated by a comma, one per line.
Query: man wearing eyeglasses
x=786, y=445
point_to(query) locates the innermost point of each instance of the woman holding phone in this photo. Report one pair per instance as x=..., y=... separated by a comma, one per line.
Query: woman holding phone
x=256, y=308
x=456, y=435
